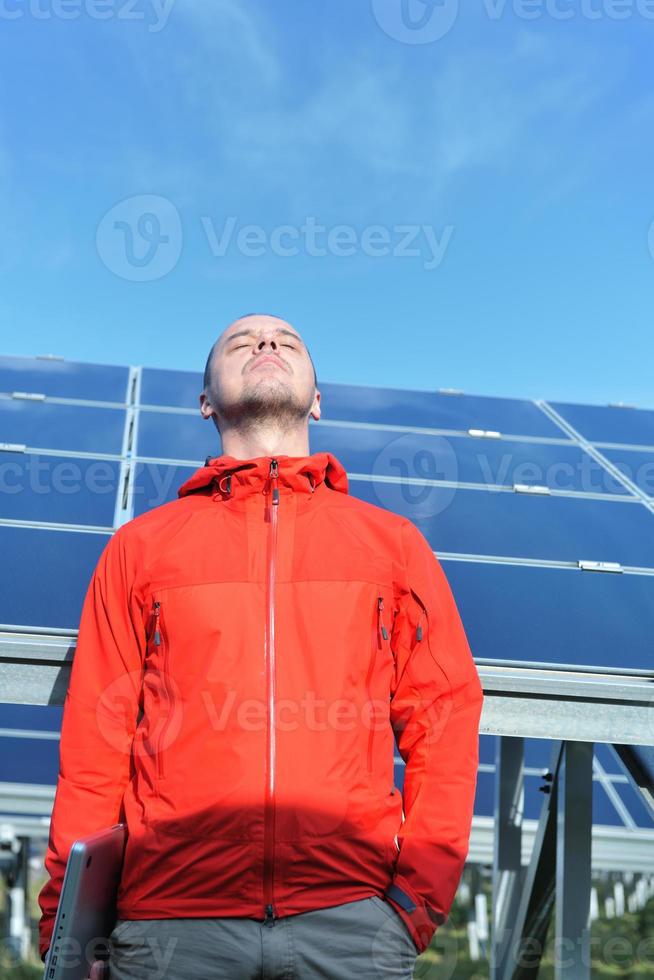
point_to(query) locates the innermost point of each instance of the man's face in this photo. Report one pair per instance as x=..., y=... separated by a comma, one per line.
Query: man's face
x=260, y=372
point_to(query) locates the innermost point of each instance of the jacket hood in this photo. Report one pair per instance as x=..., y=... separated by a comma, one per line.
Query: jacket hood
x=233, y=477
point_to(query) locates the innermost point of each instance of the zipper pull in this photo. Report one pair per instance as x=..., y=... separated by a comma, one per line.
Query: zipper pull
x=419, y=632
x=380, y=606
x=157, y=634
x=273, y=476
x=270, y=916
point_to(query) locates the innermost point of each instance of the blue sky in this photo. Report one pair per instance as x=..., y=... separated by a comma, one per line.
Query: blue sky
x=166, y=165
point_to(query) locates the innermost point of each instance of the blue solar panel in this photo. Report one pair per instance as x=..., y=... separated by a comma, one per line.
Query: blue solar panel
x=58, y=489
x=485, y=794
x=465, y=459
x=489, y=522
x=166, y=435
x=64, y=379
x=395, y=406
x=48, y=425
x=53, y=569
x=637, y=466
x=602, y=423
x=25, y=760
x=608, y=759
x=509, y=612
x=180, y=389
x=630, y=812
x=633, y=801
x=156, y=484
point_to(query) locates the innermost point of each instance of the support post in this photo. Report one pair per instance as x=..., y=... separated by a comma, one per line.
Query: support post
x=573, y=862
x=507, y=846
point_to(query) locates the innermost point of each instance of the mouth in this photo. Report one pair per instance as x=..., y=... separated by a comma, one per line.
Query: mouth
x=265, y=360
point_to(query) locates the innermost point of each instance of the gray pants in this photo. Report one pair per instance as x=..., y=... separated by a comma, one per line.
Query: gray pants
x=364, y=939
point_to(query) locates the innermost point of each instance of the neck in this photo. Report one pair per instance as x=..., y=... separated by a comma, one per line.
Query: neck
x=266, y=441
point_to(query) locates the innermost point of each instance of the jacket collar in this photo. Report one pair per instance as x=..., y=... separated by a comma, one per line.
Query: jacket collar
x=229, y=477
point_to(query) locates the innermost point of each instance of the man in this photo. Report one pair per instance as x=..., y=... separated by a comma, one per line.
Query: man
x=273, y=634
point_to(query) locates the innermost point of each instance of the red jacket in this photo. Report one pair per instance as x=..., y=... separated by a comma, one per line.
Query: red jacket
x=266, y=591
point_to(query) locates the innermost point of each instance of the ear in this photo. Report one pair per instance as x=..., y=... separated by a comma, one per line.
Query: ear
x=315, y=408
x=205, y=406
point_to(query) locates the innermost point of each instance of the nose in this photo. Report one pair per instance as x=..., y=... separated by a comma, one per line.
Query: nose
x=261, y=345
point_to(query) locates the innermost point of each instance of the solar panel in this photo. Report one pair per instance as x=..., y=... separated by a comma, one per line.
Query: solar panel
x=63, y=379
x=49, y=488
x=44, y=575
x=559, y=465
x=603, y=423
x=156, y=484
x=511, y=510
x=635, y=465
x=53, y=425
x=427, y=409
x=555, y=616
x=546, y=528
x=180, y=389
x=168, y=435
x=615, y=801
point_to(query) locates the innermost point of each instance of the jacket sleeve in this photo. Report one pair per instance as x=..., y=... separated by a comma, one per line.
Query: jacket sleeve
x=435, y=711
x=99, y=718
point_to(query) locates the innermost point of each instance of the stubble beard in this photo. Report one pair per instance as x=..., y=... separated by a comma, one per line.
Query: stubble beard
x=271, y=403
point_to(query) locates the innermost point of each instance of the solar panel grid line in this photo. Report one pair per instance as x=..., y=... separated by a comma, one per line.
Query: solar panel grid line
x=124, y=510
x=489, y=487
x=562, y=667
x=168, y=410
x=429, y=430
x=602, y=777
x=625, y=497
x=589, y=448
x=71, y=453
x=571, y=566
x=57, y=526
x=591, y=687
x=641, y=447
x=60, y=400
x=34, y=733
x=326, y=422
x=46, y=633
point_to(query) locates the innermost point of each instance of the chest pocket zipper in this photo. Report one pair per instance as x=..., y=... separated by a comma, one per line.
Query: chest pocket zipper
x=423, y=619
x=159, y=640
x=380, y=637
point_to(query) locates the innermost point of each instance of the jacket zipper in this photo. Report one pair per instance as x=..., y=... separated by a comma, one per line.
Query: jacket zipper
x=379, y=630
x=419, y=630
x=269, y=808
x=158, y=638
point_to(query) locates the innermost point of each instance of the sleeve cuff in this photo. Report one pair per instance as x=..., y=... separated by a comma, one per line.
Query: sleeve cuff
x=421, y=920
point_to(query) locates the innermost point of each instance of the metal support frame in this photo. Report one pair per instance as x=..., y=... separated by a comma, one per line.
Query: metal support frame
x=507, y=850
x=17, y=940
x=519, y=701
x=559, y=874
x=574, y=708
x=573, y=842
